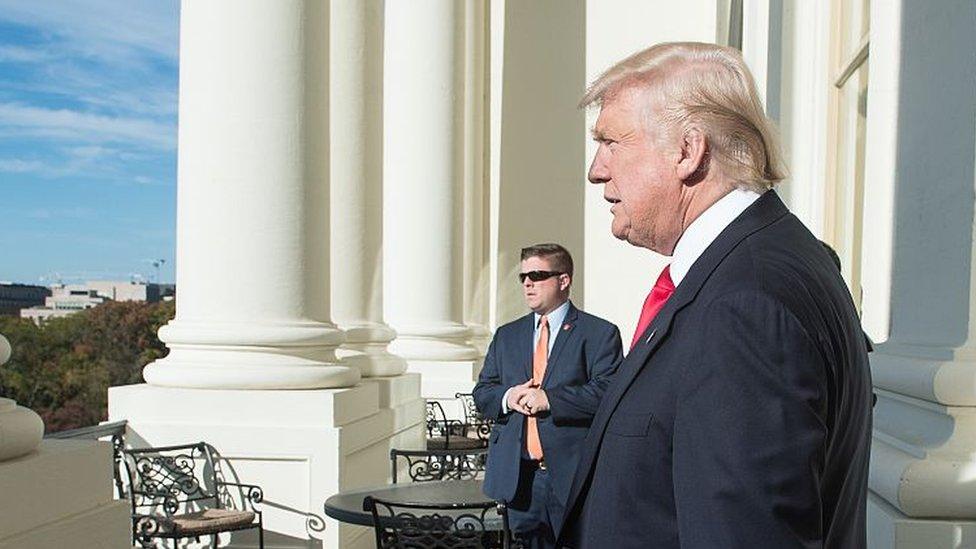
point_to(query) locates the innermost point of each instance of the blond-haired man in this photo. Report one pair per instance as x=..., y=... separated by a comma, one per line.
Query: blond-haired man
x=742, y=415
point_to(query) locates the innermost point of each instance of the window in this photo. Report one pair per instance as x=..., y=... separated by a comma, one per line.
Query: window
x=850, y=40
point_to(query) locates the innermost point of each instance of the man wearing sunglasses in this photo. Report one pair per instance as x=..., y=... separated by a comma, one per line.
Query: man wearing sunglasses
x=542, y=381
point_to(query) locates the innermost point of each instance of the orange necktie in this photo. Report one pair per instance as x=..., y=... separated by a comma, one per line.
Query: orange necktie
x=539, y=360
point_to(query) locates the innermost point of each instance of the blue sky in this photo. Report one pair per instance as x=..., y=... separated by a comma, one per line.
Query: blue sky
x=88, y=101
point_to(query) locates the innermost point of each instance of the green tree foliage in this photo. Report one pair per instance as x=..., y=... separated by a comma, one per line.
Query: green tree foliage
x=63, y=369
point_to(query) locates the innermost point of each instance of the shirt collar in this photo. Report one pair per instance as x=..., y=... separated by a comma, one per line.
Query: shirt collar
x=556, y=317
x=706, y=228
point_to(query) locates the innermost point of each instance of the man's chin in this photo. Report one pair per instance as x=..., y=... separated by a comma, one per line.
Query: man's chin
x=620, y=234
x=633, y=238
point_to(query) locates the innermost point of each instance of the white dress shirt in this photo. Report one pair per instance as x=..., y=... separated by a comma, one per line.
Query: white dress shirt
x=705, y=229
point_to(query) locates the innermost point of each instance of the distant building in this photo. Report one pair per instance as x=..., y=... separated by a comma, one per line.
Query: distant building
x=167, y=292
x=14, y=297
x=126, y=291
x=67, y=299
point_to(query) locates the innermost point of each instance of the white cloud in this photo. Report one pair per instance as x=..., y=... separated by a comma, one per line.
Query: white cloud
x=77, y=212
x=16, y=165
x=18, y=54
x=107, y=29
x=87, y=127
x=96, y=162
x=95, y=90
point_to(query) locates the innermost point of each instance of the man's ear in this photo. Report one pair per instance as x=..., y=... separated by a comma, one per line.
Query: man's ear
x=693, y=162
x=564, y=282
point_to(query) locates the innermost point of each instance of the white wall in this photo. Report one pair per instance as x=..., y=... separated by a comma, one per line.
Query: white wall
x=617, y=276
x=537, y=155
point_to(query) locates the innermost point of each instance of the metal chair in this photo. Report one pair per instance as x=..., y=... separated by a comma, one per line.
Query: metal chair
x=447, y=434
x=176, y=492
x=470, y=526
x=476, y=422
x=431, y=465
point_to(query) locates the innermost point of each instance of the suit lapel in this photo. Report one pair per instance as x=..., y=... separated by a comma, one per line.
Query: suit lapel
x=526, y=340
x=766, y=210
x=562, y=335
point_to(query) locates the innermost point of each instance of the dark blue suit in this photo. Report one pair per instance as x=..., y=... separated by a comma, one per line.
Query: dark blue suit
x=585, y=354
x=742, y=418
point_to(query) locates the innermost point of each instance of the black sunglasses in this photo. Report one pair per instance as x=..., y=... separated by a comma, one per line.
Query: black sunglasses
x=537, y=276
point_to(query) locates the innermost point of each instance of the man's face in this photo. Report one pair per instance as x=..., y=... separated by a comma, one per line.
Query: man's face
x=637, y=164
x=545, y=295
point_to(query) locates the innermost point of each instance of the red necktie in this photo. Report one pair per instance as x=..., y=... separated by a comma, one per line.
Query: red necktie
x=655, y=301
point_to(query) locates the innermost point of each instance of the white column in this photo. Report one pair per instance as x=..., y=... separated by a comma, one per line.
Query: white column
x=357, y=191
x=254, y=273
x=423, y=276
x=253, y=201
x=477, y=265
x=923, y=460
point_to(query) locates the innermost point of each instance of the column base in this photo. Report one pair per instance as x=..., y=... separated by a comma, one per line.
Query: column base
x=276, y=355
x=61, y=496
x=371, y=360
x=366, y=350
x=434, y=342
x=890, y=529
x=299, y=446
x=252, y=370
x=480, y=337
x=443, y=379
x=922, y=454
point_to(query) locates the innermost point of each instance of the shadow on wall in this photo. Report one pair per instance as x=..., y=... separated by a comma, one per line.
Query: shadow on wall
x=933, y=221
x=542, y=152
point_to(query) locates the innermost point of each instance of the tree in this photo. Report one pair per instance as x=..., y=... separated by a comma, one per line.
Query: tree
x=63, y=369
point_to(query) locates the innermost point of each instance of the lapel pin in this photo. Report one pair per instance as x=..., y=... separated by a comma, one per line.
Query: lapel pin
x=566, y=327
x=648, y=340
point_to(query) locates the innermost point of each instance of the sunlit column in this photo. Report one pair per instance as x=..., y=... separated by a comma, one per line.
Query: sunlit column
x=423, y=276
x=357, y=190
x=477, y=267
x=252, y=305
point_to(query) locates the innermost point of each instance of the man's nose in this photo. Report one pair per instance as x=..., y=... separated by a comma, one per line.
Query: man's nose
x=598, y=170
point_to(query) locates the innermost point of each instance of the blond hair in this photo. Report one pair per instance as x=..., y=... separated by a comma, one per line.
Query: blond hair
x=707, y=86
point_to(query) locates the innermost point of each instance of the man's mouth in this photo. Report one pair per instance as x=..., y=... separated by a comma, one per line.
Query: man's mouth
x=611, y=199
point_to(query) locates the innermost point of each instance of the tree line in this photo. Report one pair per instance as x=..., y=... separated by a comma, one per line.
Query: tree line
x=63, y=368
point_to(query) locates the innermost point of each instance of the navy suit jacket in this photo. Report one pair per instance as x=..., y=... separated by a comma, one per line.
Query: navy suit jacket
x=585, y=354
x=742, y=418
